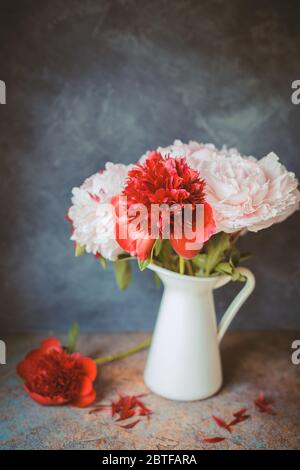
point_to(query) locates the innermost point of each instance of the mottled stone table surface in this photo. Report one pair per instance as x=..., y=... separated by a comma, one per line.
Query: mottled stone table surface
x=252, y=361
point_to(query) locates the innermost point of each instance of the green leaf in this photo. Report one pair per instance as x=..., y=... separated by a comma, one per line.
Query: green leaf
x=215, y=249
x=79, y=250
x=152, y=250
x=236, y=276
x=103, y=262
x=157, y=247
x=189, y=267
x=199, y=260
x=125, y=257
x=123, y=273
x=143, y=263
x=72, y=338
x=224, y=267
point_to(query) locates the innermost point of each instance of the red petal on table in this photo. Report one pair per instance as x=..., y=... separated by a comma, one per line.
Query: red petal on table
x=125, y=407
x=128, y=401
x=221, y=423
x=144, y=412
x=144, y=408
x=239, y=420
x=131, y=425
x=265, y=409
x=240, y=413
x=263, y=404
x=262, y=399
x=213, y=440
x=140, y=403
x=113, y=409
x=239, y=416
x=125, y=415
x=118, y=406
x=126, y=410
x=99, y=408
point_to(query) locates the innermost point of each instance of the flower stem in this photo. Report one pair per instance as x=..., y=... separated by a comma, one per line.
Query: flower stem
x=189, y=268
x=112, y=357
x=181, y=265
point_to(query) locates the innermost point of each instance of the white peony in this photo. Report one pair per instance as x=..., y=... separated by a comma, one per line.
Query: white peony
x=245, y=193
x=92, y=218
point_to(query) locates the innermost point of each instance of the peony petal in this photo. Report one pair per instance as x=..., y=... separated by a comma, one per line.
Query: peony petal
x=89, y=367
x=136, y=243
x=144, y=247
x=82, y=402
x=127, y=244
x=190, y=247
x=271, y=166
x=209, y=222
x=86, y=386
x=26, y=367
x=180, y=246
x=213, y=440
x=50, y=343
x=93, y=219
x=46, y=401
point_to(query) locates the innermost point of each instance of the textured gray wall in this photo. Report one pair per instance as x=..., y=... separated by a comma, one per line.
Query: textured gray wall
x=90, y=81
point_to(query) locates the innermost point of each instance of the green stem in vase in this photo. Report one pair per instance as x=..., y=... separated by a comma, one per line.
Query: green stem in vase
x=189, y=268
x=181, y=265
x=112, y=357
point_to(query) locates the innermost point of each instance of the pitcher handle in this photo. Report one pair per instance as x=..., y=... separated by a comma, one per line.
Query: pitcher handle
x=237, y=301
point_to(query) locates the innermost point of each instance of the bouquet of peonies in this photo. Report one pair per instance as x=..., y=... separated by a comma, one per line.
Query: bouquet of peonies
x=182, y=207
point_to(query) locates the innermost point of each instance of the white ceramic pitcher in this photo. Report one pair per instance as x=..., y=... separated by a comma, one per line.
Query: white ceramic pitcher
x=184, y=358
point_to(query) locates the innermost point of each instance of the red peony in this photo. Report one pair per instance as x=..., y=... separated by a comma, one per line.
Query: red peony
x=164, y=180
x=54, y=377
x=168, y=181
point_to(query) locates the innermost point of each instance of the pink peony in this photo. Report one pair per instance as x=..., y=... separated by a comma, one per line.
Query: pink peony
x=245, y=193
x=91, y=215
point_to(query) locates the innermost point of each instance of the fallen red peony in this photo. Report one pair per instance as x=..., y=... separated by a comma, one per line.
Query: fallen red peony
x=54, y=377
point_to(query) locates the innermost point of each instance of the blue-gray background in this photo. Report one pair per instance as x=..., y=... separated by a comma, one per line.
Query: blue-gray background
x=90, y=81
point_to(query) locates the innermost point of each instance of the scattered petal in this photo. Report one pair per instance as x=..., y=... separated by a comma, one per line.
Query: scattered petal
x=126, y=415
x=125, y=407
x=221, y=423
x=213, y=440
x=263, y=404
x=99, y=408
x=239, y=417
x=239, y=420
x=240, y=413
x=131, y=425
